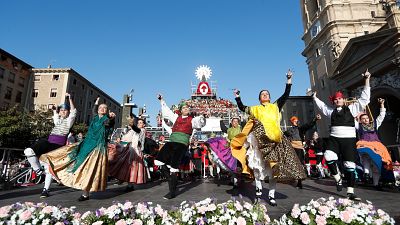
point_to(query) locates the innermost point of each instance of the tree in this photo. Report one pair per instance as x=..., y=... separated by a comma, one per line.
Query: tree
x=79, y=128
x=15, y=128
x=41, y=123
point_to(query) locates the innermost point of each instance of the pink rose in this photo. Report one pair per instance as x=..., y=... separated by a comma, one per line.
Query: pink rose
x=202, y=209
x=77, y=215
x=305, y=219
x=378, y=222
x=295, y=212
x=238, y=206
x=141, y=208
x=47, y=210
x=86, y=214
x=320, y=220
x=4, y=211
x=25, y=215
x=60, y=223
x=213, y=207
x=346, y=216
x=137, y=222
x=323, y=210
x=241, y=221
x=120, y=222
x=128, y=205
x=112, y=208
x=159, y=211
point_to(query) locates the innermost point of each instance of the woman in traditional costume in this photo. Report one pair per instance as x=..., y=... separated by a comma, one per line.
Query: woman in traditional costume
x=126, y=160
x=63, y=119
x=220, y=152
x=84, y=165
x=269, y=153
x=375, y=157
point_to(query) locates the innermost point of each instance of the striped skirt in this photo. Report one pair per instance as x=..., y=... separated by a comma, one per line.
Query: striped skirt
x=126, y=164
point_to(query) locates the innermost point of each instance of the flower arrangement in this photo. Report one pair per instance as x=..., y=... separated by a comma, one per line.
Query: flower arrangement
x=127, y=213
x=335, y=211
x=229, y=213
x=40, y=213
x=320, y=212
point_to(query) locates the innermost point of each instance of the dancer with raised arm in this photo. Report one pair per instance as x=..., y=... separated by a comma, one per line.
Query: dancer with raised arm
x=170, y=155
x=342, y=139
x=375, y=157
x=63, y=119
x=126, y=160
x=270, y=153
x=84, y=165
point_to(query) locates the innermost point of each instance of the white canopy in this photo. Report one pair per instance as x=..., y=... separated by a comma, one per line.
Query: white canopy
x=212, y=125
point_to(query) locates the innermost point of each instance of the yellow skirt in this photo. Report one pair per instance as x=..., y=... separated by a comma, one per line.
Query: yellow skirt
x=91, y=176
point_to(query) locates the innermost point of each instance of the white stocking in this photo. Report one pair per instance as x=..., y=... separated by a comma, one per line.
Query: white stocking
x=32, y=159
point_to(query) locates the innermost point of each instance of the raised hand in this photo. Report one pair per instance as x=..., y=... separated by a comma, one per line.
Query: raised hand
x=318, y=117
x=97, y=101
x=367, y=74
x=159, y=97
x=381, y=101
x=314, y=94
x=111, y=114
x=236, y=92
x=289, y=74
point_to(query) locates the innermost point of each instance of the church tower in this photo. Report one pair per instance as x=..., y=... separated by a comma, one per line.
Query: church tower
x=328, y=27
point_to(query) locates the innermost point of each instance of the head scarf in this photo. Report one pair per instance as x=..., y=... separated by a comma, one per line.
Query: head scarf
x=337, y=95
x=64, y=106
x=181, y=105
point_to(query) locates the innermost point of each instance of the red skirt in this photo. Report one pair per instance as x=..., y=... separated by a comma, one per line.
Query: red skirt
x=126, y=165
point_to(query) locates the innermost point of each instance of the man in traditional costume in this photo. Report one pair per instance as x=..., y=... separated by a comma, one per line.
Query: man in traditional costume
x=170, y=155
x=269, y=153
x=342, y=139
x=63, y=118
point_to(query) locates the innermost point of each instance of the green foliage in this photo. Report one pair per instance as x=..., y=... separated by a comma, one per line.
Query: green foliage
x=18, y=128
x=14, y=128
x=41, y=124
x=79, y=128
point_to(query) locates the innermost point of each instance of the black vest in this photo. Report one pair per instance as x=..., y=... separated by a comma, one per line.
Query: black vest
x=342, y=118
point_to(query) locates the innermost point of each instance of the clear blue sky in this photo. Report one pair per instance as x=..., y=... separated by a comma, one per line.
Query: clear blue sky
x=155, y=46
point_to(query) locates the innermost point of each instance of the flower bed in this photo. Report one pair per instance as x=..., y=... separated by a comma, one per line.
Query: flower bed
x=40, y=213
x=320, y=212
x=230, y=212
x=336, y=211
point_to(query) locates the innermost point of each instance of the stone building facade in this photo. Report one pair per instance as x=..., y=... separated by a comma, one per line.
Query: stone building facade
x=15, y=81
x=51, y=84
x=367, y=33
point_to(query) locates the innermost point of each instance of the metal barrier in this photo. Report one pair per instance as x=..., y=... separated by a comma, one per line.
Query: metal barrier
x=5, y=164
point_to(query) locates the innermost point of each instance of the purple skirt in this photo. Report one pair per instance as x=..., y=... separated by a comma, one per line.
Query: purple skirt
x=220, y=147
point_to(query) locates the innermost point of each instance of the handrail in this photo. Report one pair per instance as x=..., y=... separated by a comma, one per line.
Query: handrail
x=5, y=161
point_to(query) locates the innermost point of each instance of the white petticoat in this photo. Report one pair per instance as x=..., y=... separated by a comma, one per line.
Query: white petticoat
x=255, y=161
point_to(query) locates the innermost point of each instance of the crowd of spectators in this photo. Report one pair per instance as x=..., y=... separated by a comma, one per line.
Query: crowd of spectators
x=211, y=107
